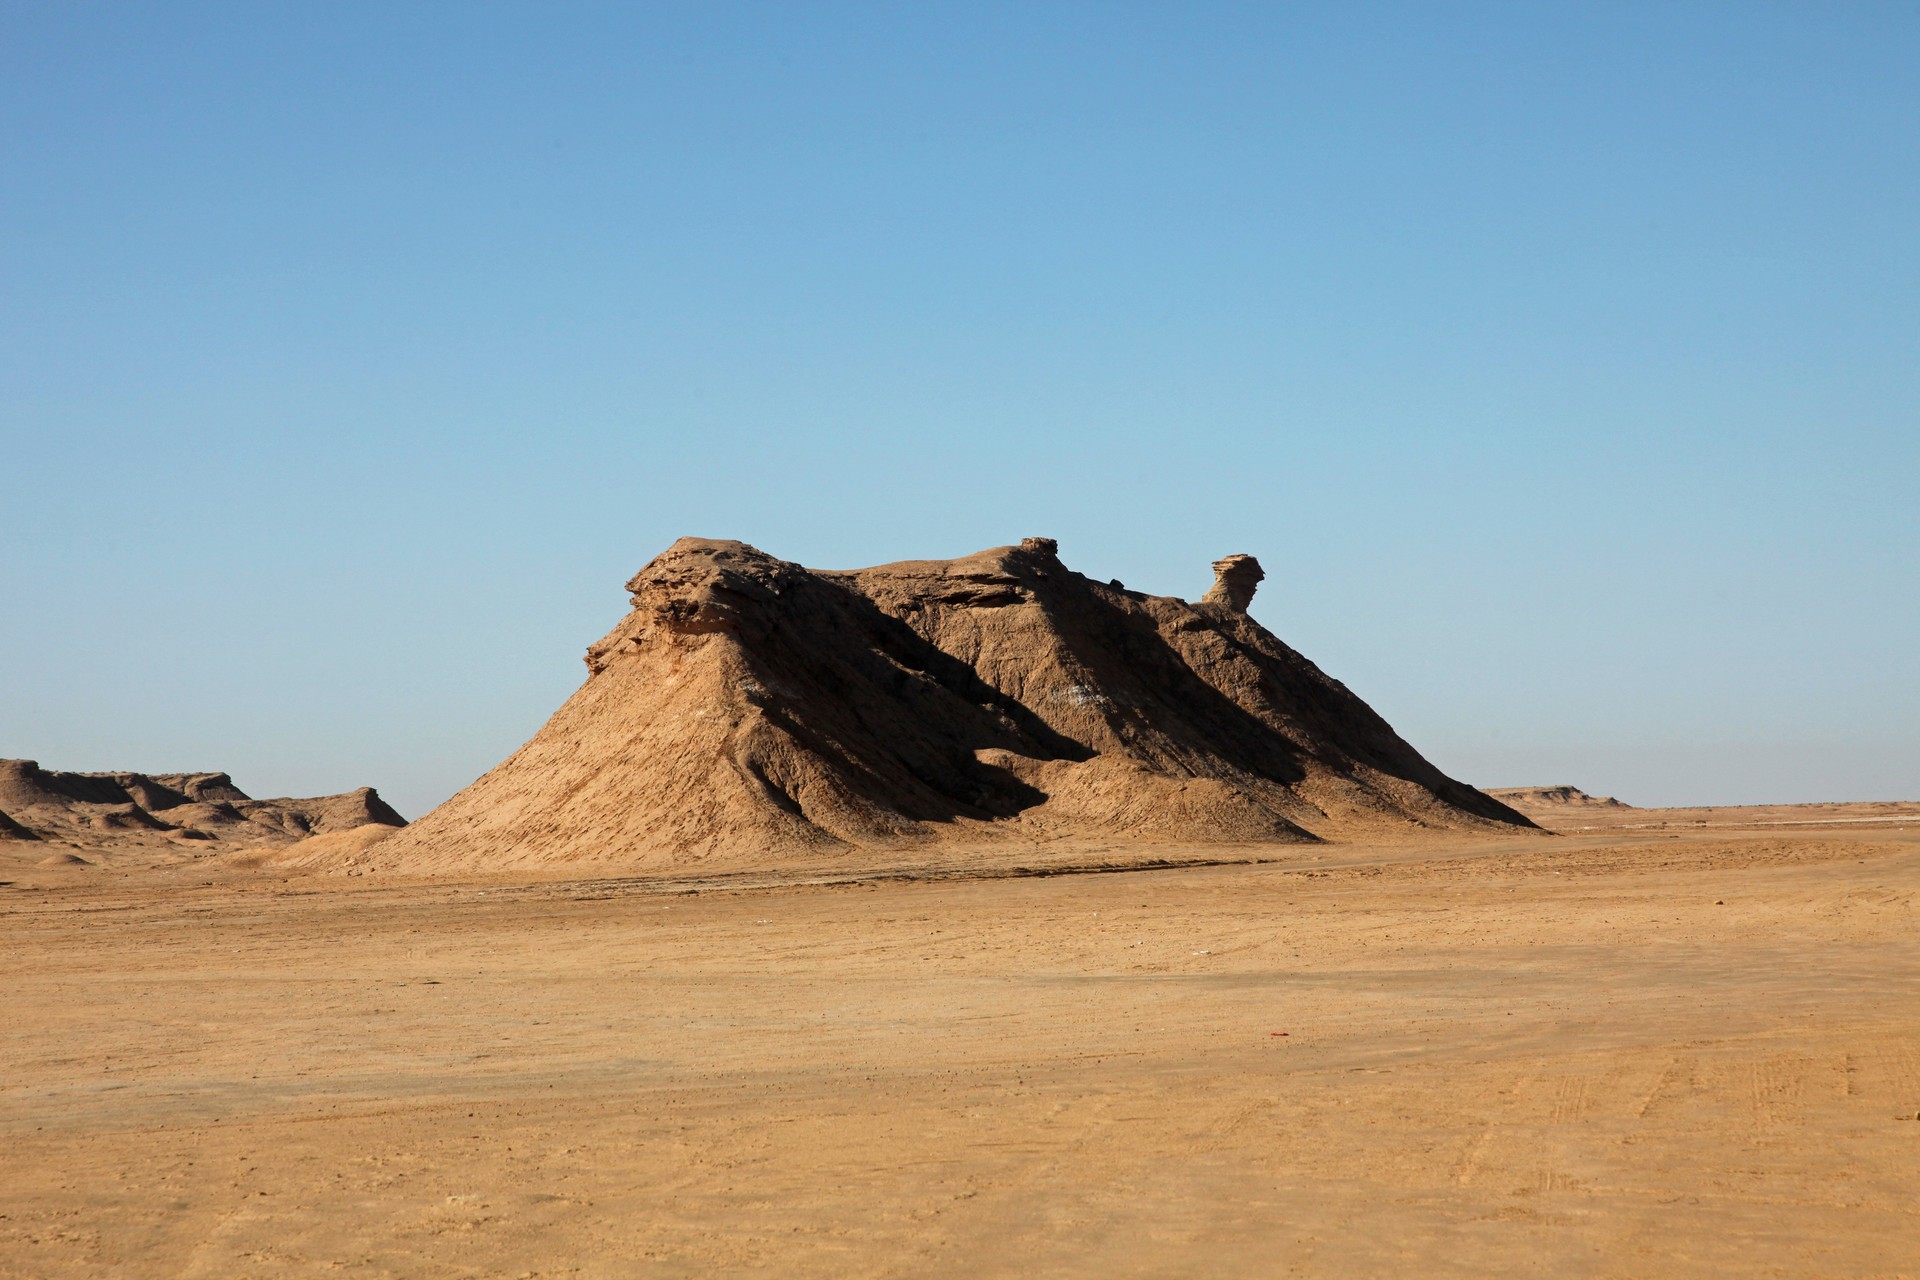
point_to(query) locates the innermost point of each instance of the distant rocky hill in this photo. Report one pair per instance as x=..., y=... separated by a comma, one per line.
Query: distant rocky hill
x=750, y=710
x=108, y=811
x=1529, y=799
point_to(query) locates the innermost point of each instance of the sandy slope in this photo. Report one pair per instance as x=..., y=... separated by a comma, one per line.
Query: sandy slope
x=1600, y=1055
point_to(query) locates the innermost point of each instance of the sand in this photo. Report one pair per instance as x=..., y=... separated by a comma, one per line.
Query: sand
x=1613, y=816
x=1686, y=1052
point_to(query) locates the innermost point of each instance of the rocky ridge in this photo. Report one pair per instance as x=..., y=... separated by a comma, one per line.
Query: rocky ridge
x=103, y=812
x=1529, y=799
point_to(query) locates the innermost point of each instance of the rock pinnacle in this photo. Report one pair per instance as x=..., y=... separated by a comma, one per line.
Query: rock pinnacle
x=1234, y=580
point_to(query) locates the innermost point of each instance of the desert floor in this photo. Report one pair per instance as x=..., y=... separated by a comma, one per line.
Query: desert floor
x=1612, y=1053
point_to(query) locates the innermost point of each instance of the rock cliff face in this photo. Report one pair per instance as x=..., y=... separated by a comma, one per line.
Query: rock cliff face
x=104, y=811
x=750, y=710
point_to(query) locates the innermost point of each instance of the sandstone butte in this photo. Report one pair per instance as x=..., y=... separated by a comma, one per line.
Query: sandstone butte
x=751, y=712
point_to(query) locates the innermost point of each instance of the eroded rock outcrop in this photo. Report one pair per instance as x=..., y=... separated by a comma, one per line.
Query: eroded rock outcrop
x=1235, y=579
x=748, y=709
x=1533, y=800
x=140, y=810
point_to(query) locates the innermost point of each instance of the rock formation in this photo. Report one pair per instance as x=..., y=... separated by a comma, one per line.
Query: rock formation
x=748, y=710
x=126, y=810
x=1545, y=799
x=1234, y=581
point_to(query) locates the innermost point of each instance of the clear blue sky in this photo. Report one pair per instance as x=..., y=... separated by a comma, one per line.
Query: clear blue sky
x=1558, y=360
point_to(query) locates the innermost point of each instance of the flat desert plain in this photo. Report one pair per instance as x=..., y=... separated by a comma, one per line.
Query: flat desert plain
x=1686, y=1050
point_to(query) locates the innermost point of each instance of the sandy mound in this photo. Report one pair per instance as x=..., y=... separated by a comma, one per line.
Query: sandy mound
x=64, y=860
x=139, y=810
x=327, y=849
x=1529, y=799
x=748, y=709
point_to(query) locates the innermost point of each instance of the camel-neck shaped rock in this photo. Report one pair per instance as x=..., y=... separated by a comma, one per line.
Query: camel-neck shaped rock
x=1235, y=579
